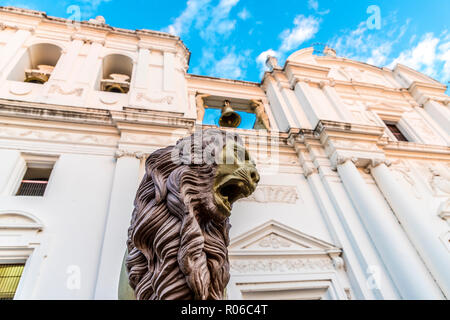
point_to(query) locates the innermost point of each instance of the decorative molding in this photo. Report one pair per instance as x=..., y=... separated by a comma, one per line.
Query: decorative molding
x=338, y=263
x=13, y=220
x=288, y=265
x=274, y=194
x=6, y=25
x=274, y=241
x=376, y=162
x=132, y=154
x=309, y=170
x=440, y=180
x=260, y=111
x=353, y=145
x=444, y=210
x=200, y=105
x=87, y=40
x=341, y=159
x=401, y=168
x=108, y=99
x=20, y=89
x=168, y=99
x=279, y=239
x=56, y=136
x=58, y=89
x=445, y=238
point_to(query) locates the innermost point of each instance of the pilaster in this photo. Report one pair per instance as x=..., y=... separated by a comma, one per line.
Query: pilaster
x=121, y=207
x=416, y=225
x=388, y=238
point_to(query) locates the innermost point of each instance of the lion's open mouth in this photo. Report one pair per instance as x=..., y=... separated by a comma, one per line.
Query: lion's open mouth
x=232, y=191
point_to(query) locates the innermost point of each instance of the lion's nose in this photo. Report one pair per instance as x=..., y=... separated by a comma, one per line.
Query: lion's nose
x=254, y=175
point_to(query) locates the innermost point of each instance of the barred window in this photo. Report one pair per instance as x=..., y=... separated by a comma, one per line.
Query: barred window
x=34, y=181
x=9, y=280
x=396, y=132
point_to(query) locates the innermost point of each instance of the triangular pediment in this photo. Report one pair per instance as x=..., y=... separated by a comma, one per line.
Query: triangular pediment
x=275, y=236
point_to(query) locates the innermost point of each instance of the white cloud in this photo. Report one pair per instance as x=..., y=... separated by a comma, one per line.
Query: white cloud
x=232, y=65
x=379, y=55
x=244, y=14
x=423, y=55
x=214, y=23
x=220, y=24
x=184, y=21
x=261, y=59
x=211, y=21
x=305, y=29
x=88, y=8
x=444, y=55
x=17, y=4
x=430, y=56
x=314, y=4
x=371, y=47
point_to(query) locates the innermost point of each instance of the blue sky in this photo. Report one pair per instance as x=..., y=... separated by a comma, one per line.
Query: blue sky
x=231, y=38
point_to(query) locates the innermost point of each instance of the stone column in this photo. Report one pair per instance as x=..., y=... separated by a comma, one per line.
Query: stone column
x=417, y=225
x=439, y=113
x=169, y=71
x=351, y=254
x=89, y=71
x=64, y=67
x=123, y=192
x=312, y=109
x=12, y=47
x=405, y=268
x=143, y=69
x=335, y=100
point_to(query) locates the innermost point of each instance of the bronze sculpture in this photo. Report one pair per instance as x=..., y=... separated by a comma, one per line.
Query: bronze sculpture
x=178, y=238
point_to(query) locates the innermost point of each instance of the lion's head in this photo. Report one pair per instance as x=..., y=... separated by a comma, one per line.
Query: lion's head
x=178, y=238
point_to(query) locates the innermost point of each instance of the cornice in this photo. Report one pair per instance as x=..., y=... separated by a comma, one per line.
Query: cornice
x=320, y=71
x=352, y=128
x=139, y=35
x=416, y=151
x=40, y=111
x=424, y=85
x=191, y=76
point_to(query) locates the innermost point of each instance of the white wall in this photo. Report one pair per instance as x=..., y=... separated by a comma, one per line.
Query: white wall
x=73, y=213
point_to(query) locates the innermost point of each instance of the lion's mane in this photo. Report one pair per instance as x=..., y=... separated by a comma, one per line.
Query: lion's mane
x=176, y=250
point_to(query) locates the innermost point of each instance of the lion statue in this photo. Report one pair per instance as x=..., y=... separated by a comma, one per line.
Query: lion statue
x=178, y=237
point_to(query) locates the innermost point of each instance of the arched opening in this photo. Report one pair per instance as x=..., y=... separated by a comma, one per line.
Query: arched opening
x=37, y=63
x=115, y=74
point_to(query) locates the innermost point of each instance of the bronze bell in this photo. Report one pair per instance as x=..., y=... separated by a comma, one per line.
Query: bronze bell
x=229, y=117
x=39, y=78
x=116, y=88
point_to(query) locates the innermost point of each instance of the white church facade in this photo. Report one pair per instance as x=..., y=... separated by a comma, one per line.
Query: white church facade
x=354, y=197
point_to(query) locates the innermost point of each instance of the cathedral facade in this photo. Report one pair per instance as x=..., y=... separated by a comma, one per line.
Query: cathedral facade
x=354, y=196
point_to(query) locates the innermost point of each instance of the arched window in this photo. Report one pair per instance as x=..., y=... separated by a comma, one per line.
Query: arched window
x=115, y=74
x=37, y=63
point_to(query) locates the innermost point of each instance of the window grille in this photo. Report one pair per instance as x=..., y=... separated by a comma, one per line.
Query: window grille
x=34, y=182
x=396, y=132
x=9, y=280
